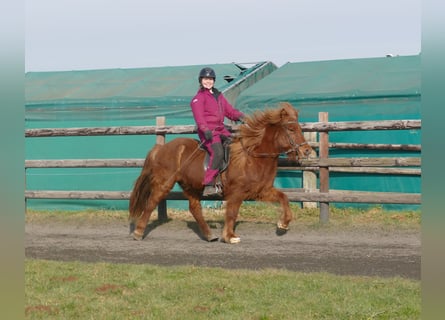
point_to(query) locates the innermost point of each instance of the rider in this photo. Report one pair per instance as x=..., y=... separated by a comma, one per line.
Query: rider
x=210, y=107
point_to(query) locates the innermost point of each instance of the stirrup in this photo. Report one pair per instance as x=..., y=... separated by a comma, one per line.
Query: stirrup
x=219, y=189
x=210, y=190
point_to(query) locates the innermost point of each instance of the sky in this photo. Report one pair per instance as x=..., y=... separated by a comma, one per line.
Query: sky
x=104, y=34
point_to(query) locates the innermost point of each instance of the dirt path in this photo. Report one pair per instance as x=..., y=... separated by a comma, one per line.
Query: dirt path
x=345, y=252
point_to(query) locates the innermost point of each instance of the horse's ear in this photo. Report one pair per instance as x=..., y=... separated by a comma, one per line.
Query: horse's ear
x=285, y=105
x=284, y=113
x=288, y=111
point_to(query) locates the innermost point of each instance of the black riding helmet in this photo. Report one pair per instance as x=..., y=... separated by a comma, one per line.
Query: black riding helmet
x=206, y=73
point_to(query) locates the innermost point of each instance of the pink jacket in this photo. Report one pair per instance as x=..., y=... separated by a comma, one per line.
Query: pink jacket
x=209, y=112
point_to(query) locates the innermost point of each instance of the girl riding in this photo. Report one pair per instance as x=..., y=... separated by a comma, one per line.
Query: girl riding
x=210, y=108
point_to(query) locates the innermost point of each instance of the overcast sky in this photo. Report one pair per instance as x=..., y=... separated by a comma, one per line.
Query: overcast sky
x=104, y=34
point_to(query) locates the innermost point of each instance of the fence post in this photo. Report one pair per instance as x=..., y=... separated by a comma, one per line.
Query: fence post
x=160, y=139
x=324, y=171
x=26, y=199
x=309, y=176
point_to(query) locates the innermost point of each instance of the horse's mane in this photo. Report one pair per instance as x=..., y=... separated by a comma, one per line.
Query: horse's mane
x=251, y=133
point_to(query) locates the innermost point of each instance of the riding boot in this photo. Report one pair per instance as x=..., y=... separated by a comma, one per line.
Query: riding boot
x=209, y=176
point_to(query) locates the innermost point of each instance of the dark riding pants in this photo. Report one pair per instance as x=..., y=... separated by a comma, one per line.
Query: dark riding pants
x=216, y=158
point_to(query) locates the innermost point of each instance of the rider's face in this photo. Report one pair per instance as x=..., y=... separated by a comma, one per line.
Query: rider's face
x=207, y=82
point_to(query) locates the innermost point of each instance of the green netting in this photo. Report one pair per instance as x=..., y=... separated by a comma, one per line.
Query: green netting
x=117, y=86
x=351, y=90
x=122, y=93
x=336, y=82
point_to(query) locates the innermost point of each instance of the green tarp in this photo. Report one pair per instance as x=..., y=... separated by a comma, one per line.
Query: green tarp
x=387, y=88
x=333, y=83
x=122, y=93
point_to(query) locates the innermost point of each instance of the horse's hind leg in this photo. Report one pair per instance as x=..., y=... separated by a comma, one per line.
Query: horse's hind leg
x=196, y=210
x=155, y=197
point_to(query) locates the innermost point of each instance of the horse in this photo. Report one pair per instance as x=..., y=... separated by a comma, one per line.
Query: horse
x=250, y=174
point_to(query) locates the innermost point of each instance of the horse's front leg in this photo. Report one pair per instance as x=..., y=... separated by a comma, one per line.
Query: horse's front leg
x=274, y=195
x=232, y=210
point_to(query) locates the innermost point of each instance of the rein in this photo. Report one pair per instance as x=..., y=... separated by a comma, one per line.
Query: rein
x=294, y=148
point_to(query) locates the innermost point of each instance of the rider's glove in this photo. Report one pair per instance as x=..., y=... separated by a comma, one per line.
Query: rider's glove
x=241, y=119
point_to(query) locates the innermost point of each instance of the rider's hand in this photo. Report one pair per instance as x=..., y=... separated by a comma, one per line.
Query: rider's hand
x=240, y=119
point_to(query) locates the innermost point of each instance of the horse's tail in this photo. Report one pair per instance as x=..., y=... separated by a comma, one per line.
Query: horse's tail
x=142, y=186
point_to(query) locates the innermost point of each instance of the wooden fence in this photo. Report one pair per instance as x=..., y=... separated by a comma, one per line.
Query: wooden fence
x=309, y=194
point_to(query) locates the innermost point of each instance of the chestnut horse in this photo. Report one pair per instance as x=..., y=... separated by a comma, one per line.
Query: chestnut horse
x=250, y=175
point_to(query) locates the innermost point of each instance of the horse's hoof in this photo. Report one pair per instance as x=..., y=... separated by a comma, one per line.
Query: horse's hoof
x=281, y=229
x=234, y=240
x=136, y=236
x=212, y=238
x=282, y=226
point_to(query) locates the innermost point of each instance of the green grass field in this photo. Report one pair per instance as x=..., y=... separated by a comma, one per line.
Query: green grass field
x=60, y=290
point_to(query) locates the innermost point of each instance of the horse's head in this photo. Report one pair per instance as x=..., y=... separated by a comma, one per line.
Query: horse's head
x=272, y=132
x=291, y=138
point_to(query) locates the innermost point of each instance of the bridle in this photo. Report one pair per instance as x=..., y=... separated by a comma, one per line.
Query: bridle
x=294, y=146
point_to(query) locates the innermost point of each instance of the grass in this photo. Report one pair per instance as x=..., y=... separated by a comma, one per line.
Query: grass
x=75, y=290
x=260, y=212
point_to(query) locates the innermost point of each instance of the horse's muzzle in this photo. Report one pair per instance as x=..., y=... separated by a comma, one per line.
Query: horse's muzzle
x=304, y=151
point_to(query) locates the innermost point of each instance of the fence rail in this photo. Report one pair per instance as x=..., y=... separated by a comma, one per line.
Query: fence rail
x=296, y=195
x=331, y=162
x=323, y=164
x=185, y=129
